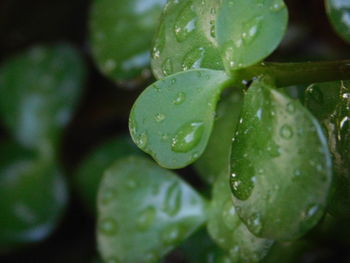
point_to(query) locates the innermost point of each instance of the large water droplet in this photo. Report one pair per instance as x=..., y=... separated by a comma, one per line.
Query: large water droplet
x=167, y=67
x=286, y=131
x=108, y=226
x=146, y=219
x=193, y=58
x=180, y=98
x=187, y=137
x=277, y=6
x=185, y=22
x=159, y=117
x=173, y=199
x=250, y=30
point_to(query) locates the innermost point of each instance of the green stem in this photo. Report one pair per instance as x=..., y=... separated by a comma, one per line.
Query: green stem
x=288, y=74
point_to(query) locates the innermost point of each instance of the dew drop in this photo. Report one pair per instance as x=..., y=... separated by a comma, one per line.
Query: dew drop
x=171, y=235
x=167, y=67
x=180, y=98
x=108, y=226
x=291, y=108
x=255, y=223
x=159, y=43
x=277, y=6
x=146, y=219
x=187, y=137
x=286, y=131
x=142, y=140
x=108, y=195
x=159, y=117
x=250, y=30
x=173, y=200
x=131, y=184
x=185, y=23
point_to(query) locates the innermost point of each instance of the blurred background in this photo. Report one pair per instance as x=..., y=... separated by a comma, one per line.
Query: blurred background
x=104, y=105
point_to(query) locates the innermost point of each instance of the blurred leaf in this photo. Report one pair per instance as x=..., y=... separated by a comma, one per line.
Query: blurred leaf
x=144, y=211
x=173, y=118
x=121, y=35
x=33, y=197
x=281, y=166
x=90, y=172
x=40, y=89
x=330, y=103
x=217, y=153
x=339, y=14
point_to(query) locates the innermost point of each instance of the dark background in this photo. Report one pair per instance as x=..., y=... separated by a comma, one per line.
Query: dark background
x=104, y=108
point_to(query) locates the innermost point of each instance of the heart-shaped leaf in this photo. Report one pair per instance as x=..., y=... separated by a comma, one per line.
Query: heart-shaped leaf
x=39, y=91
x=330, y=103
x=90, y=172
x=144, y=211
x=173, y=118
x=121, y=33
x=217, y=153
x=227, y=229
x=247, y=31
x=208, y=33
x=339, y=13
x=281, y=166
x=186, y=38
x=33, y=197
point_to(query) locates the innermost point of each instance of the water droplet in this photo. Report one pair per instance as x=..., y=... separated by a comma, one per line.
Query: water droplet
x=180, y=98
x=151, y=257
x=167, y=67
x=159, y=117
x=155, y=86
x=250, y=30
x=193, y=59
x=291, y=107
x=164, y=137
x=254, y=223
x=131, y=184
x=142, y=140
x=277, y=6
x=286, y=131
x=242, y=180
x=108, y=195
x=212, y=29
x=159, y=43
x=315, y=94
x=109, y=65
x=171, y=235
x=173, y=200
x=146, y=219
x=235, y=252
x=108, y=226
x=185, y=23
x=187, y=137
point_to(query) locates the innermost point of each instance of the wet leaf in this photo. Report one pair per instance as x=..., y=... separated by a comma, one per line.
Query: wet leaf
x=144, y=211
x=173, y=118
x=339, y=14
x=40, y=89
x=281, y=167
x=121, y=33
x=33, y=197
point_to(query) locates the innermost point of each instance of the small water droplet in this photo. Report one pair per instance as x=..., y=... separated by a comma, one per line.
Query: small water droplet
x=250, y=30
x=155, y=86
x=187, y=137
x=146, y=219
x=142, y=140
x=108, y=226
x=164, y=137
x=185, y=23
x=255, y=223
x=173, y=200
x=291, y=107
x=180, y=98
x=108, y=195
x=212, y=29
x=277, y=6
x=159, y=43
x=171, y=235
x=151, y=257
x=131, y=184
x=167, y=67
x=286, y=131
x=159, y=117
x=173, y=81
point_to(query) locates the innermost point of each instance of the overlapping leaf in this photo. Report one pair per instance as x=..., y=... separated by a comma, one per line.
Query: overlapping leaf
x=144, y=211
x=173, y=118
x=281, y=166
x=339, y=13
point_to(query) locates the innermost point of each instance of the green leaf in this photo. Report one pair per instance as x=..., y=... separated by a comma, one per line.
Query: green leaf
x=200, y=248
x=281, y=167
x=121, y=34
x=173, y=118
x=217, y=153
x=247, y=31
x=39, y=91
x=144, y=211
x=227, y=229
x=210, y=33
x=186, y=38
x=339, y=14
x=33, y=197
x=330, y=103
x=90, y=171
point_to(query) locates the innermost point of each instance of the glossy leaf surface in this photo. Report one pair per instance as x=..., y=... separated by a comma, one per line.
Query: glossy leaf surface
x=247, y=31
x=90, y=172
x=280, y=165
x=39, y=91
x=121, y=33
x=217, y=153
x=330, y=103
x=229, y=231
x=185, y=38
x=173, y=118
x=33, y=197
x=144, y=211
x=339, y=13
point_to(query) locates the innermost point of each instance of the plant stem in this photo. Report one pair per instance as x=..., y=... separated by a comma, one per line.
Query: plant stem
x=288, y=74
